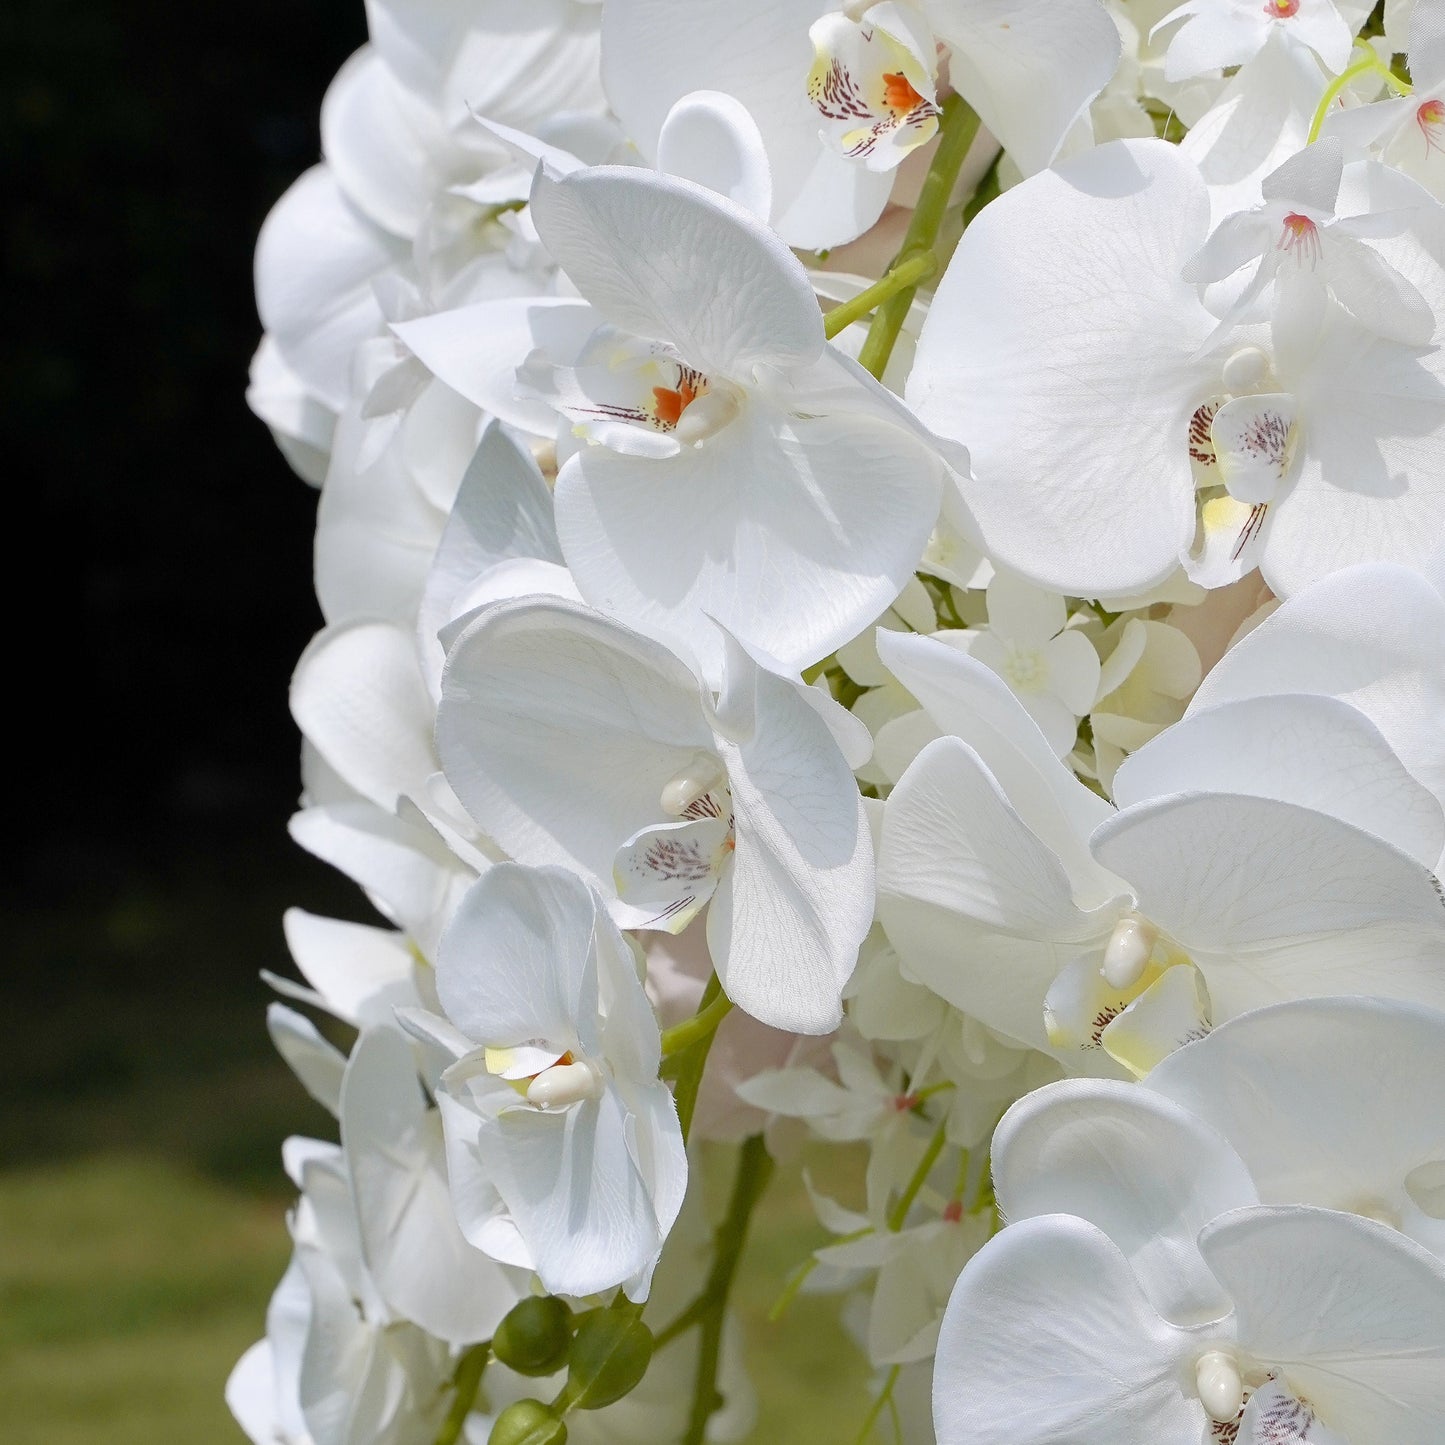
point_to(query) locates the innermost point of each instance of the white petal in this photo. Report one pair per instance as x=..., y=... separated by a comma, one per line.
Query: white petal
x=577, y=1197
x=1036, y=357
x=1379, y=296
x=1074, y=671
x=361, y=972
x=1351, y=1312
x=1145, y=1171
x=316, y=1062
x=503, y=510
x=788, y=919
x=477, y=349
x=1030, y=71
x=1023, y=613
x=359, y=697
x=794, y=532
x=515, y=966
x=1299, y=1091
x=387, y=149
x=414, y=1249
x=559, y=729
x=668, y=260
x=1047, y=1339
x=710, y=138
x=1314, y=751
x=978, y=907
x=1370, y=484
x=971, y=702
x=1366, y=634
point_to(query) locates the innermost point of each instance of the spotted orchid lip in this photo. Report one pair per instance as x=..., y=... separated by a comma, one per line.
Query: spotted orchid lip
x=872, y=89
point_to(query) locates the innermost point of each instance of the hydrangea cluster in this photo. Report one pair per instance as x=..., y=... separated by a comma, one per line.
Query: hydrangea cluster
x=884, y=581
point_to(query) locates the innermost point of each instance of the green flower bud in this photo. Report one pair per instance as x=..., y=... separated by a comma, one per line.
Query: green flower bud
x=528, y=1422
x=534, y=1337
x=610, y=1354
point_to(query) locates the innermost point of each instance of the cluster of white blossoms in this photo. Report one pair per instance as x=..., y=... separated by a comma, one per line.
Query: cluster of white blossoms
x=884, y=580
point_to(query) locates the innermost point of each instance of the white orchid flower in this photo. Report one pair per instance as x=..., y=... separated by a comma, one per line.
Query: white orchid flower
x=572, y=739
x=839, y=94
x=1335, y=1332
x=336, y=1366
x=1219, y=34
x=1296, y=242
x=558, y=1110
x=733, y=465
x=1228, y=827
x=1111, y=438
x=1053, y=670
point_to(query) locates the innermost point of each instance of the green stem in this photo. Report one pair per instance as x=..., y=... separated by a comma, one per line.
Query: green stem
x=466, y=1381
x=700, y=1026
x=799, y=1276
x=899, y=1213
x=755, y=1168
x=910, y=272
x=1371, y=62
x=956, y=132
x=879, y=1404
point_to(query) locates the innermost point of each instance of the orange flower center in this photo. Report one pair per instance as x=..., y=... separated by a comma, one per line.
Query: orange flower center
x=899, y=95
x=670, y=404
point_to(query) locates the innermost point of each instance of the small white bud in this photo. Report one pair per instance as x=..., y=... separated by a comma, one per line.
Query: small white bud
x=1126, y=955
x=698, y=778
x=561, y=1085
x=1221, y=1390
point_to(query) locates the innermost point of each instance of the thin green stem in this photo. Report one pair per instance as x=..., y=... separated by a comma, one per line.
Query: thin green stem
x=755, y=1168
x=466, y=1381
x=1335, y=88
x=956, y=133
x=884, y=1397
x=898, y=1215
x=910, y=272
x=700, y=1026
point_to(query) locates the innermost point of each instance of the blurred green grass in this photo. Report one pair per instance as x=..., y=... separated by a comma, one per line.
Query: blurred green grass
x=142, y=1201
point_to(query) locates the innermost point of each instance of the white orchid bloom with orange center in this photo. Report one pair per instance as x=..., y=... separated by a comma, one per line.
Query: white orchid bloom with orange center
x=839, y=94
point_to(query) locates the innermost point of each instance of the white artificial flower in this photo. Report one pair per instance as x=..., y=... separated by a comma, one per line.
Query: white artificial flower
x=733, y=466
x=1296, y=242
x=1218, y=34
x=839, y=93
x=1111, y=438
x=1150, y=671
x=1052, y=670
x=337, y=1367
x=1229, y=825
x=1332, y=1330
x=557, y=1110
x=572, y=739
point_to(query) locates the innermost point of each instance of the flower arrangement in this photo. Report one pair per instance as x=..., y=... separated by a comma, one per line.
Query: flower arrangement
x=884, y=580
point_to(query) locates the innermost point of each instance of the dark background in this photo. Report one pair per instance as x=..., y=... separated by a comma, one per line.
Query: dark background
x=160, y=558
